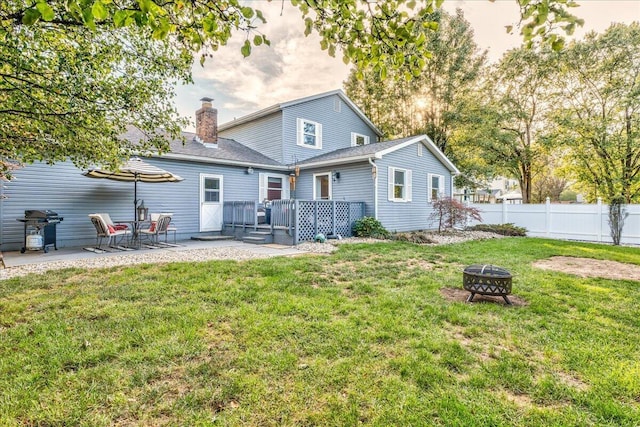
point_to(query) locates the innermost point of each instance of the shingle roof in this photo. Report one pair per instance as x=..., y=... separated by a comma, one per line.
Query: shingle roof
x=359, y=151
x=227, y=150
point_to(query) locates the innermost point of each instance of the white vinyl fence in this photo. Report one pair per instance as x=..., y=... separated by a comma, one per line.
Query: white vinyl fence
x=563, y=221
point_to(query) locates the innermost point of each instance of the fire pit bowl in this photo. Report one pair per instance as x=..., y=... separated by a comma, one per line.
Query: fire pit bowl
x=487, y=280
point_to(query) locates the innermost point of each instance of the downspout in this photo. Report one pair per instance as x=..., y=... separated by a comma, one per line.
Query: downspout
x=374, y=172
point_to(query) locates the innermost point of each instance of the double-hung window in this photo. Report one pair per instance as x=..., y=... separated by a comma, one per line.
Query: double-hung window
x=309, y=134
x=273, y=187
x=436, y=187
x=358, y=139
x=399, y=185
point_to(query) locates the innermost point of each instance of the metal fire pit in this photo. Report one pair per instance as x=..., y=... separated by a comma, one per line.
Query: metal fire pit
x=487, y=280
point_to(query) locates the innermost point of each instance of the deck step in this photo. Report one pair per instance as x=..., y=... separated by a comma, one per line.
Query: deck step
x=258, y=237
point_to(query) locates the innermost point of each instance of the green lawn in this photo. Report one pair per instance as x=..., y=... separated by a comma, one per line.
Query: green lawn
x=363, y=336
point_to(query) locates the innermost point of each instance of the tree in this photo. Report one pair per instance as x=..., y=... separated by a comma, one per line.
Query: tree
x=504, y=120
x=74, y=72
x=70, y=94
x=425, y=103
x=598, y=112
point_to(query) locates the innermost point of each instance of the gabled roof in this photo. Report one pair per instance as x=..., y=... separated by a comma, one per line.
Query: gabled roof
x=376, y=151
x=227, y=152
x=279, y=107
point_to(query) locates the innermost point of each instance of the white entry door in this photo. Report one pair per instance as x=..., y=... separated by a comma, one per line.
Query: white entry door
x=210, y=202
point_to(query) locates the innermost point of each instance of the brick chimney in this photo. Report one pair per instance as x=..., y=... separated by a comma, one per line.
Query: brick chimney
x=207, y=123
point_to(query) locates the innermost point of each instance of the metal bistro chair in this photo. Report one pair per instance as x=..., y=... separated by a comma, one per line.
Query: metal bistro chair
x=107, y=231
x=157, y=228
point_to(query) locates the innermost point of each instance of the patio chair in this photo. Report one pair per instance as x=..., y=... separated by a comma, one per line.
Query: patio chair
x=107, y=231
x=153, y=217
x=157, y=228
x=107, y=219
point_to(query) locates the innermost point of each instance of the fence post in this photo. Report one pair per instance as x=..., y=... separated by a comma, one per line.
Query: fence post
x=547, y=221
x=504, y=211
x=315, y=218
x=295, y=220
x=333, y=217
x=599, y=216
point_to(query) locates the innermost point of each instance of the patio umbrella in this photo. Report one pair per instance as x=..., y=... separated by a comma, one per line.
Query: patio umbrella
x=135, y=170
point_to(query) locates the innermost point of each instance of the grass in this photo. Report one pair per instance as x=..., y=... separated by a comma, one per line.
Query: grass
x=363, y=336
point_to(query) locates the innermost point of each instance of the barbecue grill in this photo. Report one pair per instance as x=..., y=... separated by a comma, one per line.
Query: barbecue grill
x=41, y=222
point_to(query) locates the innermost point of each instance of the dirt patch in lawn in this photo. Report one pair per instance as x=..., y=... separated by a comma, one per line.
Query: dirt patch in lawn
x=460, y=295
x=587, y=267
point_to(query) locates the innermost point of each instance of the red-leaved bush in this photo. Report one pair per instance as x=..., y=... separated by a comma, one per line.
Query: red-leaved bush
x=449, y=213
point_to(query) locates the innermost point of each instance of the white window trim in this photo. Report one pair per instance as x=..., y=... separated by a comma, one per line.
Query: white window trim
x=441, y=187
x=328, y=175
x=420, y=147
x=407, y=185
x=300, y=134
x=264, y=180
x=355, y=135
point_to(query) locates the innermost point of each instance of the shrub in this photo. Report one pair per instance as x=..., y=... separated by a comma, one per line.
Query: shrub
x=369, y=227
x=449, y=213
x=502, y=229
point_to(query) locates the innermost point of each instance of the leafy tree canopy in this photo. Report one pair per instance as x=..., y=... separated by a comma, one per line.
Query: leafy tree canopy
x=73, y=73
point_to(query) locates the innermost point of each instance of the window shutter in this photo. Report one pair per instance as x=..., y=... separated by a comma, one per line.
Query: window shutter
x=318, y=135
x=441, y=185
x=262, y=193
x=391, y=182
x=407, y=177
x=299, y=131
x=429, y=181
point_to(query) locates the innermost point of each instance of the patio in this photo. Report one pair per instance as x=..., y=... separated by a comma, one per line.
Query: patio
x=18, y=264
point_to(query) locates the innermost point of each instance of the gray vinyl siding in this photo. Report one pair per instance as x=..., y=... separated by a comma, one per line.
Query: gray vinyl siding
x=409, y=216
x=263, y=135
x=355, y=184
x=62, y=188
x=336, y=127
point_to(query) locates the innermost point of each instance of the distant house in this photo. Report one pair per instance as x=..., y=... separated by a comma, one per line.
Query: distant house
x=283, y=173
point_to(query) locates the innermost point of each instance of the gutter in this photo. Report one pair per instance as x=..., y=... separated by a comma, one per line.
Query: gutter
x=198, y=159
x=375, y=187
x=346, y=160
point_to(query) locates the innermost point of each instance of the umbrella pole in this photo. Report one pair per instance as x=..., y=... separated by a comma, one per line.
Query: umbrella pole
x=135, y=199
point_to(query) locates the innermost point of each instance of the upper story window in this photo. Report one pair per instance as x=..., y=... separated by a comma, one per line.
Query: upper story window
x=436, y=187
x=399, y=185
x=337, y=105
x=309, y=134
x=359, y=139
x=420, y=150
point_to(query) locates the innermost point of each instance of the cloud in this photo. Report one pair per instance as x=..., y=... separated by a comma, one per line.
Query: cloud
x=293, y=66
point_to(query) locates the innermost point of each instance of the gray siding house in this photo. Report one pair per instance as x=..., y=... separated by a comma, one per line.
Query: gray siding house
x=286, y=172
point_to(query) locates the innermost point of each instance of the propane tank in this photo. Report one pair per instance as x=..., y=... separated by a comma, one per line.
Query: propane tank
x=35, y=241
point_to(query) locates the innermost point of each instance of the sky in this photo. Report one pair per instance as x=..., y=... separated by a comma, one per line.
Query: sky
x=294, y=66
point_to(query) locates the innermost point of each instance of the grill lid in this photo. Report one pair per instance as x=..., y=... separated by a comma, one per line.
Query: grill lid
x=40, y=213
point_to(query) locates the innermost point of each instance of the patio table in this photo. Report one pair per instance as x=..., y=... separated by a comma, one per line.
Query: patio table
x=135, y=229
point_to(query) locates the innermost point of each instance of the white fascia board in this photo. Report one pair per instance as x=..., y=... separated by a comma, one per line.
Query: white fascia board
x=280, y=107
x=430, y=145
x=198, y=159
x=342, y=96
x=343, y=161
x=250, y=117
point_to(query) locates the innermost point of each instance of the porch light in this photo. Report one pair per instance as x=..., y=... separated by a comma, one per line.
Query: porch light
x=335, y=175
x=249, y=170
